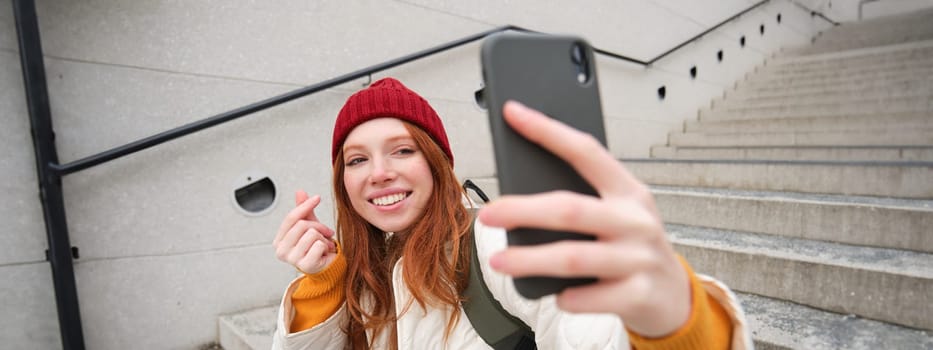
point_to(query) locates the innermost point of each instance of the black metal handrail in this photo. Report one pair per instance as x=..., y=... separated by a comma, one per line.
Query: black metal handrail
x=221, y=118
x=59, y=253
x=688, y=41
x=814, y=13
x=139, y=145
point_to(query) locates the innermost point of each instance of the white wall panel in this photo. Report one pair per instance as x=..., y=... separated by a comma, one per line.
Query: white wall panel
x=97, y=107
x=172, y=302
x=894, y=7
x=22, y=230
x=611, y=25
x=177, y=197
x=281, y=41
x=29, y=319
x=7, y=27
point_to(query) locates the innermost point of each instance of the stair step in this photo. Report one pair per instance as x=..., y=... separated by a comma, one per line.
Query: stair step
x=840, y=110
x=856, y=220
x=868, y=41
x=778, y=324
x=877, y=88
x=884, y=137
x=905, y=83
x=887, y=62
x=916, y=104
x=807, y=55
x=893, y=68
x=883, y=284
x=831, y=83
x=829, y=97
x=248, y=330
x=835, y=78
x=871, y=59
x=859, y=122
x=794, y=58
x=881, y=179
x=805, y=153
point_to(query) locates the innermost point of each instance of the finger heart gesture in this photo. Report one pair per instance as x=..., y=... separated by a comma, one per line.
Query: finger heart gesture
x=302, y=240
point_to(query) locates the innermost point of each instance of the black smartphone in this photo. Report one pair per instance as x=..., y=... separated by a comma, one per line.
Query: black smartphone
x=557, y=76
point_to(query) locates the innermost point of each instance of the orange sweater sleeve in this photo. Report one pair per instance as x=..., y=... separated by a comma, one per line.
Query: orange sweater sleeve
x=319, y=295
x=709, y=327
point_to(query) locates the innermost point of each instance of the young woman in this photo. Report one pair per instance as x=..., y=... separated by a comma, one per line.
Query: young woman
x=395, y=278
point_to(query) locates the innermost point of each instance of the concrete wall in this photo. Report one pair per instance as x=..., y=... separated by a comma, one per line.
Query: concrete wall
x=163, y=248
x=854, y=10
x=883, y=8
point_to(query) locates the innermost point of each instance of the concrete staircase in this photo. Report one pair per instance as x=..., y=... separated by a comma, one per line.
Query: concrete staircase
x=809, y=190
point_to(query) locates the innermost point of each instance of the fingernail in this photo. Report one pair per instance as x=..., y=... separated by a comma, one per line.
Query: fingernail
x=517, y=104
x=519, y=113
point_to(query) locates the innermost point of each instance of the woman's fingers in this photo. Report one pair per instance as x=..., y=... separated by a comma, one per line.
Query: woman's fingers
x=284, y=245
x=300, y=197
x=573, y=259
x=568, y=211
x=300, y=231
x=581, y=150
x=315, y=258
x=301, y=247
x=321, y=228
x=304, y=211
x=592, y=298
x=296, y=214
x=302, y=240
x=650, y=306
x=310, y=244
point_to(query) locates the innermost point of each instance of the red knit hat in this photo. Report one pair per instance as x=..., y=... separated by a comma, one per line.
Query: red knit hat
x=388, y=98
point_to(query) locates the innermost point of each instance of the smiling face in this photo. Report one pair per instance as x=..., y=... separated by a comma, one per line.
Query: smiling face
x=386, y=176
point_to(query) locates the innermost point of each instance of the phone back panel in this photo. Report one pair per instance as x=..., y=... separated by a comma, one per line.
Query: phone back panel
x=539, y=72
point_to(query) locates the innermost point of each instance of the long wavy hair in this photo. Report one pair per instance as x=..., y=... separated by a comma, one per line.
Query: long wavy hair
x=435, y=250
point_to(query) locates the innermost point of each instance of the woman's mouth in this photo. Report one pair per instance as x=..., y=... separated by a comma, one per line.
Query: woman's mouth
x=389, y=199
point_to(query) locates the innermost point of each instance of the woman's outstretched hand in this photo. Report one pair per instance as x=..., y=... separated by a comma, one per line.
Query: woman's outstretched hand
x=640, y=277
x=303, y=241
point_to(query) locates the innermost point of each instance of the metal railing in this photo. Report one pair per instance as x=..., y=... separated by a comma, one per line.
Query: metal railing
x=61, y=254
x=819, y=14
x=221, y=118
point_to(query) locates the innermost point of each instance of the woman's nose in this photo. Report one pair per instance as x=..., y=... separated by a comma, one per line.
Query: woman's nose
x=382, y=171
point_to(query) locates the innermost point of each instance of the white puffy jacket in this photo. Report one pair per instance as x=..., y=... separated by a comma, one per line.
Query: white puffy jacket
x=554, y=328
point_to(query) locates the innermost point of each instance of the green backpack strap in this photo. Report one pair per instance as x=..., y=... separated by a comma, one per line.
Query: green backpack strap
x=497, y=327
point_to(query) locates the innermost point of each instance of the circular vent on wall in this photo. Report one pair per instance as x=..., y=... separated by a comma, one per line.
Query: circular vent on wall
x=254, y=194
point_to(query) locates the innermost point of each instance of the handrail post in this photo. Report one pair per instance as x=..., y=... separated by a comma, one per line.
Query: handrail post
x=50, y=184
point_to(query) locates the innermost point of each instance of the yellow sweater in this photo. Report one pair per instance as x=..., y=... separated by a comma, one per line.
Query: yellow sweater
x=320, y=295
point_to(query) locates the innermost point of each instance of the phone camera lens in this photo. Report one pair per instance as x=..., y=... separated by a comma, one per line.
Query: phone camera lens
x=577, y=54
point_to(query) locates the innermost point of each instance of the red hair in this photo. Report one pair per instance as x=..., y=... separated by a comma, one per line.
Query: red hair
x=435, y=249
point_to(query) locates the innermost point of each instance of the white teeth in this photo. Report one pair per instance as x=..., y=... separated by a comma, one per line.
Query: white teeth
x=390, y=199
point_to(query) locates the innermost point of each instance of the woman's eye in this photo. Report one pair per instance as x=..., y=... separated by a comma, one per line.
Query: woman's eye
x=405, y=151
x=355, y=161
